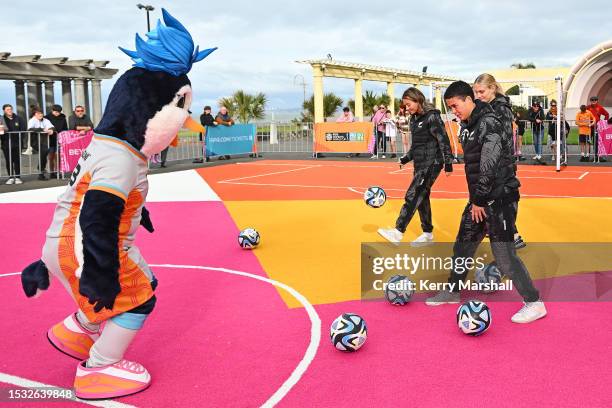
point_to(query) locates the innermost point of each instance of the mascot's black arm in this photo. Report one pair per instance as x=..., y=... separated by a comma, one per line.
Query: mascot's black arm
x=99, y=221
x=145, y=220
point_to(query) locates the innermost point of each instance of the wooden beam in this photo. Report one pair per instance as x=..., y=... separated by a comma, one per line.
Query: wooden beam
x=101, y=64
x=78, y=63
x=58, y=60
x=24, y=58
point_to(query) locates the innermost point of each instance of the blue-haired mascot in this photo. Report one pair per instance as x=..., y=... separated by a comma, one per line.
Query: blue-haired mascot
x=90, y=244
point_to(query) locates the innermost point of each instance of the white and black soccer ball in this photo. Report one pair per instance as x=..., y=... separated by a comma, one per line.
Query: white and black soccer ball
x=375, y=197
x=488, y=274
x=399, y=290
x=473, y=317
x=248, y=238
x=348, y=332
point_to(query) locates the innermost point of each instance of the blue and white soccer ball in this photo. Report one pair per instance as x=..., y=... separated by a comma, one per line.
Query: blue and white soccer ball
x=399, y=290
x=375, y=197
x=248, y=238
x=488, y=274
x=348, y=332
x=473, y=317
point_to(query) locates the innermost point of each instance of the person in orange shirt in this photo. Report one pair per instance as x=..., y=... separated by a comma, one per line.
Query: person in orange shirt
x=584, y=120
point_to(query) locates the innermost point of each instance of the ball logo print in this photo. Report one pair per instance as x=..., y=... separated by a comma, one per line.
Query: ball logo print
x=248, y=238
x=375, y=197
x=399, y=290
x=348, y=332
x=473, y=317
x=486, y=275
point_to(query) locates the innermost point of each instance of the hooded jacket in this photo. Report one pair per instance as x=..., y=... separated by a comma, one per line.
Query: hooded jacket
x=430, y=143
x=489, y=167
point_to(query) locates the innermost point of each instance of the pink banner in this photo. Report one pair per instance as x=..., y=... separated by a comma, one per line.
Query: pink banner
x=605, y=138
x=72, y=143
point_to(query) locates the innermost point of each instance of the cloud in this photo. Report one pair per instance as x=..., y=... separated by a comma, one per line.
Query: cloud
x=259, y=42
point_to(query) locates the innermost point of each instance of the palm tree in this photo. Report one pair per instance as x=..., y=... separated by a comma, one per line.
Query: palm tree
x=244, y=106
x=520, y=65
x=331, y=103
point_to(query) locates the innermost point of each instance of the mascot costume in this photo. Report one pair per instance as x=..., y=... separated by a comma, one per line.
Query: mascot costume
x=90, y=245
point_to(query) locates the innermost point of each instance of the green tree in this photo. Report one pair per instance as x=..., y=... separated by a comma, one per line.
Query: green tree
x=331, y=103
x=245, y=107
x=520, y=65
x=513, y=90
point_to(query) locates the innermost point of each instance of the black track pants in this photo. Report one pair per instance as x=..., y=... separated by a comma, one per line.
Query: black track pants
x=417, y=198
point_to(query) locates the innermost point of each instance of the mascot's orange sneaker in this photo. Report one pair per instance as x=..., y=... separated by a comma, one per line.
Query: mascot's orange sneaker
x=71, y=338
x=110, y=381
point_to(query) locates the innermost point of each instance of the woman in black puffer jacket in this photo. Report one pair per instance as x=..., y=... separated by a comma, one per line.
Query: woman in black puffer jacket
x=488, y=90
x=430, y=151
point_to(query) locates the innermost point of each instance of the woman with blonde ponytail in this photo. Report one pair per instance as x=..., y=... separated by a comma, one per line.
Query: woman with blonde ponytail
x=487, y=89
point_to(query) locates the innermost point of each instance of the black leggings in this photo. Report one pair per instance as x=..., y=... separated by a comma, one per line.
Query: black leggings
x=417, y=198
x=11, y=159
x=381, y=141
x=499, y=224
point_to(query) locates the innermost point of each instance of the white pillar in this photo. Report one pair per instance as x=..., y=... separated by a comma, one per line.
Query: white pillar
x=79, y=92
x=319, y=115
x=359, y=100
x=391, y=93
x=49, y=96
x=67, y=96
x=96, y=103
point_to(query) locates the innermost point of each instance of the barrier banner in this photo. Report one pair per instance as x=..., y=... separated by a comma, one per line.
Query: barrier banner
x=236, y=139
x=71, y=144
x=350, y=137
x=604, y=130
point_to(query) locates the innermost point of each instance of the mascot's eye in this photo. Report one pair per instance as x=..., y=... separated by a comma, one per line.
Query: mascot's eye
x=181, y=102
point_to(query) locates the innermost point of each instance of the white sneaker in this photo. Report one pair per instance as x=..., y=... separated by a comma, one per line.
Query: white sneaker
x=18, y=181
x=529, y=312
x=384, y=157
x=424, y=239
x=374, y=157
x=10, y=181
x=28, y=151
x=535, y=157
x=391, y=234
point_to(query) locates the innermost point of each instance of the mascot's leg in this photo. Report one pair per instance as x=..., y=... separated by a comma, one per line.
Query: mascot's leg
x=74, y=335
x=106, y=374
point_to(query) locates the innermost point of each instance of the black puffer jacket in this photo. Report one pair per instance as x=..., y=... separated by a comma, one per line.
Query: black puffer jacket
x=430, y=143
x=503, y=109
x=489, y=168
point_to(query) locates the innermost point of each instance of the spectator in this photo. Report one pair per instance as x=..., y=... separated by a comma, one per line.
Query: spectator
x=551, y=116
x=390, y=132
x=597, y=110
x=206, y=119
x=346, y=117
x=520, y=126
x=58, y=120
x=43, y=129
x=11, y=144
x=225, y=119
x=584, y=120
x=80, y=121
x=536, y=117
x=403, y=123
x=379, y=129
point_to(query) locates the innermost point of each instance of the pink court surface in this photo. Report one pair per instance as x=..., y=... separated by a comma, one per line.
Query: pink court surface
x=236, y=328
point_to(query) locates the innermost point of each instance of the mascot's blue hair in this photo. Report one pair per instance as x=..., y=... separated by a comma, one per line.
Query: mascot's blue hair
x=169, y=48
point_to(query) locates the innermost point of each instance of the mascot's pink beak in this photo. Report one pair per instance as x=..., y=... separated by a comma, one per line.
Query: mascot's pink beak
x=193, y=125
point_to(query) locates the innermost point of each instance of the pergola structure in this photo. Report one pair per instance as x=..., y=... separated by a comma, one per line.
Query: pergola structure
x=359, y=73
x=32, y=72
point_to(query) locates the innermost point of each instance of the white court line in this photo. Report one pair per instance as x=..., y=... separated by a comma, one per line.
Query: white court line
x=266, y=174
x=583, y=176
x=25, y=383
x=315, y=329
x=300, y=369
x=10, y=274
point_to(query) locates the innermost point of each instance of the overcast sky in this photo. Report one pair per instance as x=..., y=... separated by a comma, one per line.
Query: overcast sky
x=259, y=41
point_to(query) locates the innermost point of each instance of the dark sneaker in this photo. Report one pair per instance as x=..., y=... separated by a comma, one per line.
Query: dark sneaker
x=519, y=243
x=443, y=297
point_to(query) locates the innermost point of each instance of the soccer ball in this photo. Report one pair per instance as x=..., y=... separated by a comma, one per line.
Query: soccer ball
x=248, y=238
x=473, y=317
x=399, y=290
x=375, y=197
x=348, y=332
x=488, y=274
